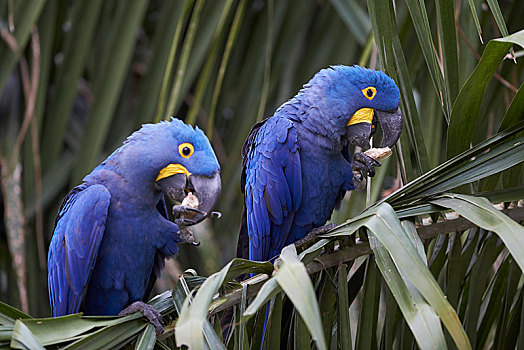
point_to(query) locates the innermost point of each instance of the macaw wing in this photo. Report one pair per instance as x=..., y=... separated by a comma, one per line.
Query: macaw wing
x=273, y=187
x=79, y=229
x=243, y=236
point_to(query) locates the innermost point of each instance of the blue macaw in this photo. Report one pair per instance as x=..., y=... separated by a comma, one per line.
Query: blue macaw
x=296, y=164
x=112, y=232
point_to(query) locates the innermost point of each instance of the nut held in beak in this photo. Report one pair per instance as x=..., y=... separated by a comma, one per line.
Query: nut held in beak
x=190, y=201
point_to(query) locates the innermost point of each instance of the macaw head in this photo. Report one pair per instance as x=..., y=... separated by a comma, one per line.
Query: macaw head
x=361, y=99
x=174, y=158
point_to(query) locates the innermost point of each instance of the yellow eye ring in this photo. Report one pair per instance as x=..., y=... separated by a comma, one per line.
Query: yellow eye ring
x=186, y=149
x=369, y=92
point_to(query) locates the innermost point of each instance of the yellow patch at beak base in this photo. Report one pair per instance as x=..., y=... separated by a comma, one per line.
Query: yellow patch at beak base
x=363, y=115
x=171, y=170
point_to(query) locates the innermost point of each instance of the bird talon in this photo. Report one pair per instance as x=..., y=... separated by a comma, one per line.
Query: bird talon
x=195, y=210
x=182, y=209
x=317, y=231
x=216, y=214
x=154, y=317
x=184, y=222
x=365, y=164
x=186, y=236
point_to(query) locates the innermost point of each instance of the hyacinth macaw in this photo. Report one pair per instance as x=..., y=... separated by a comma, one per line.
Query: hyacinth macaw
x=112, y=232
x=296, y=164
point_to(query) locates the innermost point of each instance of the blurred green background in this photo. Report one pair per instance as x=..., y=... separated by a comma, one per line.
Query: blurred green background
x=77, y=77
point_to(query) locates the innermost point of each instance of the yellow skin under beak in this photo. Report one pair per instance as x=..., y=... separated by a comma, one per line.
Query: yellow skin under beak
x=171, y=170
x=363, y=115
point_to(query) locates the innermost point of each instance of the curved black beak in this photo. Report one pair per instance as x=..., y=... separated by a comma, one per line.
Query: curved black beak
x=206, y=188
x=390, y=122
x=391, y=125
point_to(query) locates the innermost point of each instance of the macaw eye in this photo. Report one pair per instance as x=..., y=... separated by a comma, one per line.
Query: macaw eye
x=186, y=150
x=369, y=92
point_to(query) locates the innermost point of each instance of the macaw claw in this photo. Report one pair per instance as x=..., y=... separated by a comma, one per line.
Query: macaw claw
x=317, y=231
x=188, y=216
x=184, y=222
x=184, y=209
x=186, y=235
x=364, y=164
x=185, y=215
x=149, y=312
